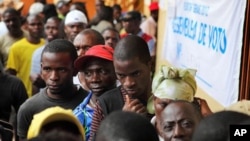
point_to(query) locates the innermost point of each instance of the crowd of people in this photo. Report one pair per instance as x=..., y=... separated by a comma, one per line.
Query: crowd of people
x=65, y=76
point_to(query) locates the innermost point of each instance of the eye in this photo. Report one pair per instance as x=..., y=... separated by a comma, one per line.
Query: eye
x=137, y=73
x=87, y=48
x=120, y=76
x=77, y=48
x=187, y=124
x=163, y=104
x=103, y=71
x=168, y=127
x=87, y=73
x=62, y=70
x=47, y=69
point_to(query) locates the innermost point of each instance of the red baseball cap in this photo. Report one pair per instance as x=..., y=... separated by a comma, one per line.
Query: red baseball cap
x=154, y=6
x=98, y=51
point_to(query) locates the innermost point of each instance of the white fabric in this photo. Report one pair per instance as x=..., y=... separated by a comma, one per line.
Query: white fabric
x=207, y=36
x=75, y=16
x=36, y=8
x=149, y=27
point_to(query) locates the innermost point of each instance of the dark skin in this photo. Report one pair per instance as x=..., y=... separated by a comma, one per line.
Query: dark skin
x=35, y=29
x=99, y=76
x=57, y=72
x=111, y=38
x=178, y=121
x=71, y=30
x=161, y=103
x=134, y=76
x=52, y=32
x=83, y=42
x=13, y=23
x=131, y=26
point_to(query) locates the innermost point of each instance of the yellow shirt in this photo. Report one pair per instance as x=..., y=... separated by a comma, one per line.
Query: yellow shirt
x=19, y=59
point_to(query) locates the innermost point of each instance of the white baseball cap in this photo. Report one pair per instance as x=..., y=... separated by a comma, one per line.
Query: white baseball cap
x=75, y=16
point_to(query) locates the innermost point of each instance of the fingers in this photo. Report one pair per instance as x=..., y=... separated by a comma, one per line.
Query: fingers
x=127, y=99
x=134, y=105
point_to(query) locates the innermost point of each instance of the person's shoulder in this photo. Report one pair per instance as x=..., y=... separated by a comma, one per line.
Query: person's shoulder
x=110, y=93
x=38, y=51
x=146, y=37
x=18, y=43
x=81, y=92
x=31, y=103
x=12, y=78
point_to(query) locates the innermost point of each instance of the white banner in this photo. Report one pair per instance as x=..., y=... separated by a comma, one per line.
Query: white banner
x=207, y=36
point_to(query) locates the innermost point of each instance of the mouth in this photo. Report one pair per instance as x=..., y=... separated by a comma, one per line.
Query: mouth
x=131, y=91
x=97, y=89
x=53, y=87
x=50, y=36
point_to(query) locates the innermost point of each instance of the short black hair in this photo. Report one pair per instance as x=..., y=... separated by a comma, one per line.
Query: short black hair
x=215, y=127
x=117, y=7
x=130, y=47
x=98, y=36
x=126, y=126
x=12, y=11
x=61, y=45
x=111, y=29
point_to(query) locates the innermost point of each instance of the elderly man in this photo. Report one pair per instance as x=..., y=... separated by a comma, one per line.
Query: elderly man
x=178, y=121
x=171, y=84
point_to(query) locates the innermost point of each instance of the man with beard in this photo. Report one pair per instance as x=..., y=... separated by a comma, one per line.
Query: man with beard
x=99, y=75
x=57, y=65
x=20, y=55
x=132, y=63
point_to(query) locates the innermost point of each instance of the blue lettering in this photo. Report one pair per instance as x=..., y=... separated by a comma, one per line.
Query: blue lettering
x=202, y=34
x=185, y=26
x=217, y=39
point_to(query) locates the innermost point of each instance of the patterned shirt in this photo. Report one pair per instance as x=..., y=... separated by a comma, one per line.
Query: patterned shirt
x=98, y=116
x=84, y=114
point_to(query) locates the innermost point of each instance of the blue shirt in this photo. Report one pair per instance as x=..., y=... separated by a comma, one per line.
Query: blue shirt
x=84, y=114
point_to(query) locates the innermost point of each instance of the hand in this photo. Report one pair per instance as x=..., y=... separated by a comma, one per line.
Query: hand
x=205, y=110
x=134, y=105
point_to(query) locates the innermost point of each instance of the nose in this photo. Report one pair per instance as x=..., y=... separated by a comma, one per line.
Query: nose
x=110, y=42
x=178, y=131
x=95, y=77
x=81, y=52
x=76, y=29
x=129, y=82
x=54, y=76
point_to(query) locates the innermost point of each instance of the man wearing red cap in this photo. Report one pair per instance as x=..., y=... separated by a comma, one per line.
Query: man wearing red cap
x=97, y=69
x=149, y=26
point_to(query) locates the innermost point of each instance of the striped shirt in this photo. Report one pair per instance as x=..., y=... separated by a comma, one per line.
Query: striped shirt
x=98, y=116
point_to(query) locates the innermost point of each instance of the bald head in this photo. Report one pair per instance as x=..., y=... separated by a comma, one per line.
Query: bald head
x=179, y=120
x=130, y=47
x=86, y=39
